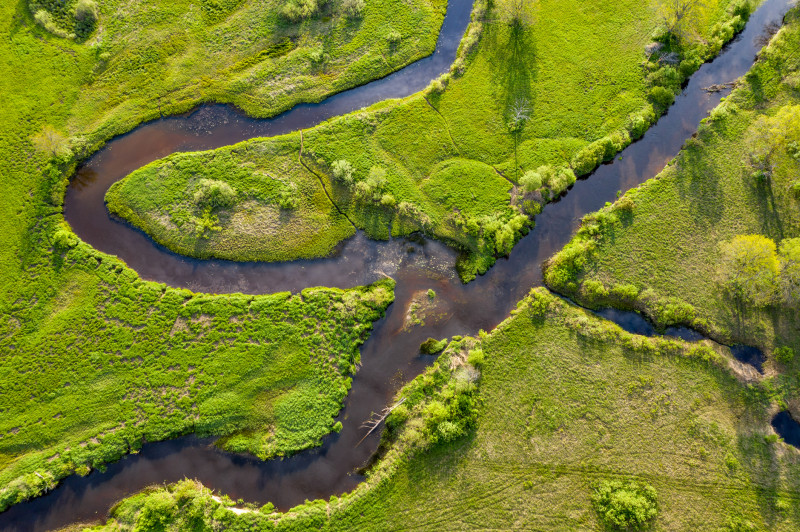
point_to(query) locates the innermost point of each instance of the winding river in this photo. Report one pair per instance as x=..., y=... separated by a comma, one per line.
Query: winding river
x=391, y=355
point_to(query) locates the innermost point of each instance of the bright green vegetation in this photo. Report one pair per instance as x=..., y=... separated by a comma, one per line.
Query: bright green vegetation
x=625, y=505
x=537, y=426
x=88, y=376
x=521, y=426
x=711, y=241
x=556, y=95
x=74, y=19
x=215, y=206
x=94, y=360
x=159, y=58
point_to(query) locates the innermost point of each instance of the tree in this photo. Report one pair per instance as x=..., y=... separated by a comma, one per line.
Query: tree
x=625, y=505
x=790, y=270
x=353, y=8
x=680, y=16
x=517, y=12
x=50, y=141
x=518, y=114
x=770, y=135
x=749, y=269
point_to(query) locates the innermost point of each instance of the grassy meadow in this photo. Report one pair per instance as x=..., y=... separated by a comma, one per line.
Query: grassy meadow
x=556, y=94
x=564, y=402
x=94, y=360
x=509, y=429
x=662, y=247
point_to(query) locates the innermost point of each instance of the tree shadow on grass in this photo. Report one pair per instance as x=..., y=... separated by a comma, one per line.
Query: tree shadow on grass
x=513, y=51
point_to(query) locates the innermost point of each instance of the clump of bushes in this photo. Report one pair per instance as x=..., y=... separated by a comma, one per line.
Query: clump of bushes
x=556, y=180
x=440, y=405
x=353, y=8
x=625, y=505
x=69, y=19
x=599, y=151
x=431, y=346
x=373, y=189
x=297, y=10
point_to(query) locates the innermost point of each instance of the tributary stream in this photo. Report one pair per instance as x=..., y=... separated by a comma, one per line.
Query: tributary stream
x=391, y=356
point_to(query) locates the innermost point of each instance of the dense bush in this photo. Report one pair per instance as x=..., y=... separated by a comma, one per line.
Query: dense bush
x=661, y=96
x=625, y=505
x=592, y=155
x=297, y=10
x=784, y=354
x=353, y=8
x=432, y=346
x=214, y=194
x=66, y=18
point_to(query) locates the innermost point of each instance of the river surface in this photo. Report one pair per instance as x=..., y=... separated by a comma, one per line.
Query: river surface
x=390, y=357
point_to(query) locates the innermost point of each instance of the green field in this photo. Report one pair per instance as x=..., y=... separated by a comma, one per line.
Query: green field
x=565, y=401
x=514, y=429
x=566, y=89
x=661, y=248
x=95, y=360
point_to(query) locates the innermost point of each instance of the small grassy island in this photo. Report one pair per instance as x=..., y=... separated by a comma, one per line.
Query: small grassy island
x=556, y=418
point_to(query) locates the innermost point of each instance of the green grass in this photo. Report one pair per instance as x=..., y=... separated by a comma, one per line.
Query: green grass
x=96, y=360
x=452, y=160
x=658, y=248
x=159, y=199
x=567, y=401
x=158, y=58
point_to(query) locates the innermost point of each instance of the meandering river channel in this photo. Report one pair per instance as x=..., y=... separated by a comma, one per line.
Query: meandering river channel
x=391, y=355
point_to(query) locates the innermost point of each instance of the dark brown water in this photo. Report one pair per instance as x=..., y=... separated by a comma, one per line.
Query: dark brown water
x=787, y=428
x=391, y=356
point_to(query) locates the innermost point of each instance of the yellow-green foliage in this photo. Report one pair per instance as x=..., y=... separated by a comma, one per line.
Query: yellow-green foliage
x=269, y=198
x=574, y=84
x=566, y=403
x=712, y=240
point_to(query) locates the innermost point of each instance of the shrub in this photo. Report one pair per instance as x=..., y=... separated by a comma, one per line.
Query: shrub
x=594, y=291
x=297, y=10
x=661, y=97
x=531, y=181
x=639, y=122
x=86, y=11
x=432, y=346
x=625, y=292
x=476, y=357
x=318, y=56
x=625, y=505
x=783, y=354
x=353, y=8
x=214, y=193
x=45, y=20
x=431, y=294
x=592, y=155
x=393, y=37
x=666, y=77
x=343, y=171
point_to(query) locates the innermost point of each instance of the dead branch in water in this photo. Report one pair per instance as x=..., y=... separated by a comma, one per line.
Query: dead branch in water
x=374, y=421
